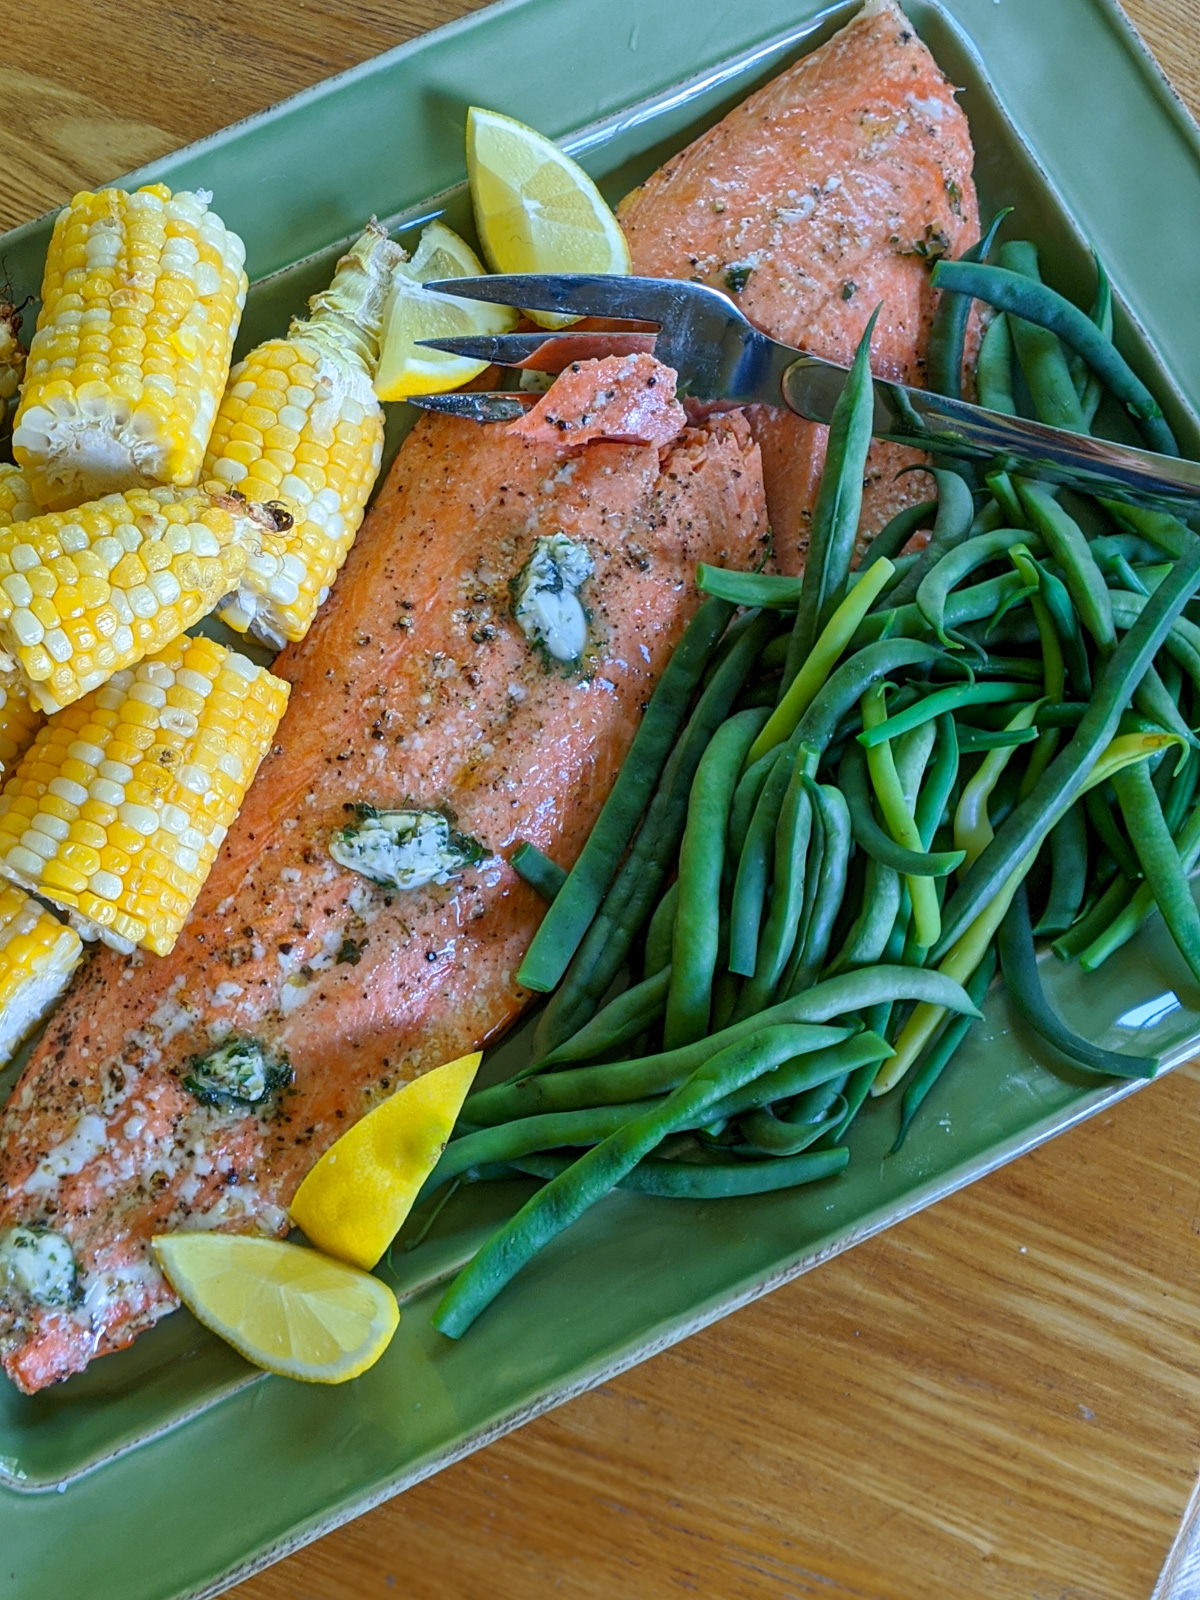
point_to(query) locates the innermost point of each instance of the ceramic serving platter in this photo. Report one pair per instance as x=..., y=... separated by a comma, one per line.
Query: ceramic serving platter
x=173, y=1469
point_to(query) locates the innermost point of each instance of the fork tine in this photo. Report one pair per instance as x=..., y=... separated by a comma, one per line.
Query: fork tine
x=543, y=352
x=477, y=405
x=580, y=294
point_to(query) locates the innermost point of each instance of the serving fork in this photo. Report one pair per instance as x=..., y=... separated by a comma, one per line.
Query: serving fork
x=722, y=360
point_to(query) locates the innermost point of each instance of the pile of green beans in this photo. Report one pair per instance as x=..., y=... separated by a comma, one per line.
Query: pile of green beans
x=857, y=795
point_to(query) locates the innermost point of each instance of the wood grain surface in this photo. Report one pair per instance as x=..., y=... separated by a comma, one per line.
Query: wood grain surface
x=997, y=1400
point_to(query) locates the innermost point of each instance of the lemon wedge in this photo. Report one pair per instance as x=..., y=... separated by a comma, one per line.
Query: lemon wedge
x=290, y=1310
x=354, y=1200
x=412, y=312
x=536, y=210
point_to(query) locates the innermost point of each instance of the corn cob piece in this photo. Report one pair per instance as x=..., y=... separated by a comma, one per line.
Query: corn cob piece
x=16, y=497
x=38, y=954
x=300, y=424
x=12, y=358
x=141, y=300
x=118, y=810
x=19, y=723
x=85, y=593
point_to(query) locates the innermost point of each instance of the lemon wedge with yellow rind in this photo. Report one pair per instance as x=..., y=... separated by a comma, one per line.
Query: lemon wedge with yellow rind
x=412, y=312
x=355, y=1199
x=536, y=210
x=290, y=1310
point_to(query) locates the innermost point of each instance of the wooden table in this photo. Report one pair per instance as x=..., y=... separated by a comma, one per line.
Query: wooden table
x=997, y=1399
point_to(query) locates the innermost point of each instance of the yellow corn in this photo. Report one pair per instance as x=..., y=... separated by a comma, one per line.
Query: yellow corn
x=16, y=497
x=118, y=810
x=300, y=425
x=38, y=954
x=19, y=724
x=12, y=356
x=84, y=593
x=141, y=300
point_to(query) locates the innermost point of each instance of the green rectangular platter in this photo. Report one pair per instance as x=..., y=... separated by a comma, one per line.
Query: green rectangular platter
x=173, y=1469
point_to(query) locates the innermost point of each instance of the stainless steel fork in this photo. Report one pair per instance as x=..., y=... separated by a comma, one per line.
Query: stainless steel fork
x=723, y=360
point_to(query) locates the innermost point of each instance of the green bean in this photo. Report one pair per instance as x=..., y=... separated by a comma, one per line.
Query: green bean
x=1024, y=987
x=993, y=375
x=701, y=859
x=661, y=933
x=953, y=698
x=805, y=1074
x=897, y=813
x=839, y=502
x=632, y=1011
x=809, y=956
x=812, y=880
x=846, y=686
x=637, y=884
x=812, y=1105
x=895, y=534
x=943, y=774
x=746, y=797
x=1053, y=668
x=777, y=1137
x=711, y=1180
x=1036, y=303
x=972, y=823
x=1065, y=541
x=856, y=1091
x=817, y=665
x=954, y=566
x=1099, y=814
x=1128, y=918
x=594, y=1174
x=1082, y=933
x=1007, y=498
x=615, y=1082
x=1159, y=527
x=963, y=606
x=565, y=924
x=1068, y=872
x=1159, y=860
x=869, y=836
x=1069, y=772
x=1181, y=792
x=942, y=1051
x=749, y=588
x=1087, y=384
x=793, y=833
x=508, y=1140
x=956, y=512
x=1057, y=600
x=947, y=336
x=1039, y=354
x=972, y=740
x=542, y=874
x=987, y=520
x=869, y=932
x=754, y=866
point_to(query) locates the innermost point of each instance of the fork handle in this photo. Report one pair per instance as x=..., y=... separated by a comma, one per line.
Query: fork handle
x=811, y=387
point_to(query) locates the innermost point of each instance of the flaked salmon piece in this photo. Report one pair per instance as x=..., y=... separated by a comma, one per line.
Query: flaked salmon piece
x=415, y=689
x=828, y=192
x=623, y=399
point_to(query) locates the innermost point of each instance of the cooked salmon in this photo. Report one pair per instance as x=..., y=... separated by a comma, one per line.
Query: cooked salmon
x=827, y=193
x=415, y=689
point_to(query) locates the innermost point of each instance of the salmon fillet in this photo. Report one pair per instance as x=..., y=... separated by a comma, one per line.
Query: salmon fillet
x=415, y=687
x=827, y=192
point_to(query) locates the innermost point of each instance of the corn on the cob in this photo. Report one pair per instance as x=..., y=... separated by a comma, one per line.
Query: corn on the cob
x=19, y=723
x=38, y=954
x=12, y=358
x=118, y=810
x=300, y=424
x=141, y=301
x=84, y=593
x=16, y=497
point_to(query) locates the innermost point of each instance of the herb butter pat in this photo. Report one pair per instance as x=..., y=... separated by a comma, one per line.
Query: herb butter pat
x=546, y=596
x=237, y=1073
x=404, y=849
x=39, y=1266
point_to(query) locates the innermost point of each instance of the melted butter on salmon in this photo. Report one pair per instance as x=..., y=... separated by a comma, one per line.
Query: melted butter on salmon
x=415, y=689
x=828, y=192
